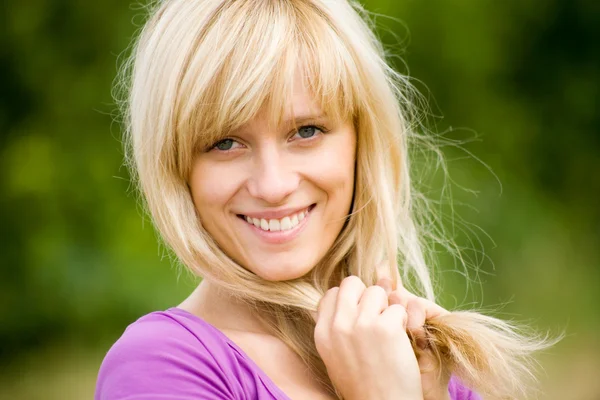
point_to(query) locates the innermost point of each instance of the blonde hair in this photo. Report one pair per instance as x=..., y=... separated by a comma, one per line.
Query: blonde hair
x=201, y=68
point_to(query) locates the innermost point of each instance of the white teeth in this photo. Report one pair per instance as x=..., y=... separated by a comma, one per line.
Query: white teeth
x=275, y=225
x=286, y=223
x=264, y=225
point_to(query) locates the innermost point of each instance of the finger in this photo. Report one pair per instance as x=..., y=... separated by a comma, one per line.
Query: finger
x=416, y=315
x=387, y=270
x=351, y=290
x=393, y=314
x=372, y=303
x=386, y=284
x=431, y=309
x=399, y=296
x=404, y=297
x=419, y=310
x=326, y=307
x=416, y=320
x=415, y=311
x=434, y=376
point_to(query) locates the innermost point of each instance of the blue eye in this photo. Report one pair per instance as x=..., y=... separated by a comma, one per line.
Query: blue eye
x=307, y=132
x=224, y=145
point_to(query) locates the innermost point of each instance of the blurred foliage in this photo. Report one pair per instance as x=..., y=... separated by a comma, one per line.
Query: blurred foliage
x=80, y=261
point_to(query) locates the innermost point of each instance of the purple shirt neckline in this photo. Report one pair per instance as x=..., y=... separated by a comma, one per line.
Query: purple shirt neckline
x=268, y=382
x=175, y=354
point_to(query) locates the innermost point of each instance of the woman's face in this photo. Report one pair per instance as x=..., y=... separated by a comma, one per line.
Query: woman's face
x=276, y=199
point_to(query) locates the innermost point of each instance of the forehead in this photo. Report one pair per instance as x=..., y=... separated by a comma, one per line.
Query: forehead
x=302, y=100
x=301, y=104
x=225, y=88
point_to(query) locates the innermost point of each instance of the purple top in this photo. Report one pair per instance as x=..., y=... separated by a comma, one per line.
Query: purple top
x=176, y=355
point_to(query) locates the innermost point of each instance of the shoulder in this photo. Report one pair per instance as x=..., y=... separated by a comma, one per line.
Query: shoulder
x=460, y=392
x=169, y=354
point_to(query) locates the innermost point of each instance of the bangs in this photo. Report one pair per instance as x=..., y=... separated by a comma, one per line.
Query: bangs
x=261, y=52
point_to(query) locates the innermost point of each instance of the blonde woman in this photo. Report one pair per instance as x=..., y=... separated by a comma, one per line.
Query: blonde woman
x=269, y=139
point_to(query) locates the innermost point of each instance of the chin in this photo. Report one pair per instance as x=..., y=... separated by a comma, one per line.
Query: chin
x=285, y=271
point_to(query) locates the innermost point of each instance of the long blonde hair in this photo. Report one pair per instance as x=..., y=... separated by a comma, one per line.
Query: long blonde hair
x=200, y=68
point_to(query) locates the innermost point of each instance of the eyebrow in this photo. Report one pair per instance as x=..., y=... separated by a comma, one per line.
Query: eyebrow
x=293, y=121
x=303, y=118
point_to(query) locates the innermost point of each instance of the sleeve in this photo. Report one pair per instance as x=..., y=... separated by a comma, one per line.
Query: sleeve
x=161, y=360
x=460, y=392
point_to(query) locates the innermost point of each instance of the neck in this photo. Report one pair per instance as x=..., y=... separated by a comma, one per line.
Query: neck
x=222, y=310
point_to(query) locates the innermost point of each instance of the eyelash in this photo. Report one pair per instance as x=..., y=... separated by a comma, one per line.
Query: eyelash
x=317, y=129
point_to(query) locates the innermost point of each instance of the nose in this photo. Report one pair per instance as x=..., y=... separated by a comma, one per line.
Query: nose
x=272, y=178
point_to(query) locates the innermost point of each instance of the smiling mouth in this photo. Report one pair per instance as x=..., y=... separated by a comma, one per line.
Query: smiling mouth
x=276, y=225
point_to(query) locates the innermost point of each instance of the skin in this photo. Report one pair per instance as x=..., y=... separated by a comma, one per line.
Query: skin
x=364, y=344
x=433, y=381
x=257, y=169
x=270, y=169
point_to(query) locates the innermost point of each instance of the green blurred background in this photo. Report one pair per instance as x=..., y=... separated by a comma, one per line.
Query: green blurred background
x=80, y=262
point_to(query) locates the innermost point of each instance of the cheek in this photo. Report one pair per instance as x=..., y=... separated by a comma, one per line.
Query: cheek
x=334, y=170
x=336, y=178
x=210, y=190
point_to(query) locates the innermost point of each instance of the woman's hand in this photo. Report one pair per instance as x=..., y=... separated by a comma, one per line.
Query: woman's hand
x=434, y=378
x=363, y=342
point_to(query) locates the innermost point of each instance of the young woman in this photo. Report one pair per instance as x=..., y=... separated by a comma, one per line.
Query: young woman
x=269, y=138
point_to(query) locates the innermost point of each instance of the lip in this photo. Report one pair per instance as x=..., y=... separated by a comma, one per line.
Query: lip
x=279, y=237
x=276, y=214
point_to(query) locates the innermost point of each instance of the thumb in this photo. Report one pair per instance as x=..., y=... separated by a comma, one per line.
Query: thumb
x=387, y=284
x=388, y=276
